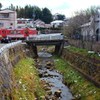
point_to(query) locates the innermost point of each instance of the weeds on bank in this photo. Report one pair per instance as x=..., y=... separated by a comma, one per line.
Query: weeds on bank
x=83, y=51
x=80, y=87
x=25, y=81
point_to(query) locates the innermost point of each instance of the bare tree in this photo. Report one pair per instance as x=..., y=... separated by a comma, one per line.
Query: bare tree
x=80, y=18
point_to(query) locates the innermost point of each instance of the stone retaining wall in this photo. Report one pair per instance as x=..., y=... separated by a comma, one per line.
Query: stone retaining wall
x=7, y=61
x=89, y=67
x=95, y=46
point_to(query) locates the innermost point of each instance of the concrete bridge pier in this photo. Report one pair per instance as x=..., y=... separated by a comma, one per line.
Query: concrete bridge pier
x=33, y=50
x=59, y=44
x=59, y=48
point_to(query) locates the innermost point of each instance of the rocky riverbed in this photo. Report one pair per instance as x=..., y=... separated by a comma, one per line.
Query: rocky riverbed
x=52, y=79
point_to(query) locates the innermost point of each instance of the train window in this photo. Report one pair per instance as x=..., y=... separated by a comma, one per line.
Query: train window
x=4, y=32
x=11, y=32
x=15, y=32
x=18, y=32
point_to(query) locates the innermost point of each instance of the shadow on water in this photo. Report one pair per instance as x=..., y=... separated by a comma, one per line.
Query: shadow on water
x=51, y=75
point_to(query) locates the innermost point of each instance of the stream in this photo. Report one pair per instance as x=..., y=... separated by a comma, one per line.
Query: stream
x=48, y=73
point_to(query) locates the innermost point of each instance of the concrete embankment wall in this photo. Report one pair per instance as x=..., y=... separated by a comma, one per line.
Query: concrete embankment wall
x=7, y=62
x=88, y=45
x=86, y=65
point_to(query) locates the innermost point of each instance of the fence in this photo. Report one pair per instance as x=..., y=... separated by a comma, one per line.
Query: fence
x=7, y=46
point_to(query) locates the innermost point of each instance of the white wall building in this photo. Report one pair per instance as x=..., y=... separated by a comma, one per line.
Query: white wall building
x=91, y=30
x=22, y=23
x=57, y=23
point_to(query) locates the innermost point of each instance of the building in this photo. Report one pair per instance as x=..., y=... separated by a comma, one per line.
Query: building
x=23, y=22
x=57, y=23
x=91, y=30
x=8, y=19
x=39, y=23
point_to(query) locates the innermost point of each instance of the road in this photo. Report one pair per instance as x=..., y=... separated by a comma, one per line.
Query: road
x=2, y=44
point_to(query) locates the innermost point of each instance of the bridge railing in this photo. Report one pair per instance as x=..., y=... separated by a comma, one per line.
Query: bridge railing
x=48, y=37
x=7, y=46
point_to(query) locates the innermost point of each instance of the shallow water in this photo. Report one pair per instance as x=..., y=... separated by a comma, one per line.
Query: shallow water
x=54, y=77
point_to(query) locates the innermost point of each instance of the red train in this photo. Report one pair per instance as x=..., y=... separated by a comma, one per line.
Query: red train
x=18, y=33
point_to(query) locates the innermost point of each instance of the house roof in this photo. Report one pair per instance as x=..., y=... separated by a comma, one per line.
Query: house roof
x=6, y=11
x=23, y=19
x=57, y=21
x=86, y=24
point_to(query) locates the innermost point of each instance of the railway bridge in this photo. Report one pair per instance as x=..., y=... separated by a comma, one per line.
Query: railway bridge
x=58, y=43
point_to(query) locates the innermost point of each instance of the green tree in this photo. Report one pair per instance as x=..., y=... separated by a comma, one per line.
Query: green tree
x=12, y=7
x=0, y=6
x=61, y=17
x=38, y=13
x=46, y=15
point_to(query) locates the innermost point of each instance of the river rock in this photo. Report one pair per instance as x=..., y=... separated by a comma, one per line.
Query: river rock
x=57, y=93
x=42, y=97
x=48, y=67
x=52, y=85
x=47, y=97
x=40, y=75
x=39, y=67
x=46, y=72
x=49, y=63
x=48, y=88
x=49, y=92
x=54, y=98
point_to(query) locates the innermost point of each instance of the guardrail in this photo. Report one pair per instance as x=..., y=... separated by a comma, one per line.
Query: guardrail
x=47, y=37
x=7, y=46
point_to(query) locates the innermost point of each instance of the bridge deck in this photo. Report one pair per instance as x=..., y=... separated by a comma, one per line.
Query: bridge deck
x=45, y=42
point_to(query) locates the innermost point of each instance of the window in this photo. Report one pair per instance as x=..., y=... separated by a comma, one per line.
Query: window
x=19, y=32
x=1, y=24
x=4, y=32
x=11, y=23
x=11, y=32
x=4, y=16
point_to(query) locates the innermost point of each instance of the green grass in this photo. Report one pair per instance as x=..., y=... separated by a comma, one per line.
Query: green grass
x=26, y=84
x=83, y=51
x=80, y=87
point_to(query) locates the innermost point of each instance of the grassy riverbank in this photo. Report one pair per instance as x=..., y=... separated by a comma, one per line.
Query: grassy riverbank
x=84, y=52
x=80, y=87
x=26, y=84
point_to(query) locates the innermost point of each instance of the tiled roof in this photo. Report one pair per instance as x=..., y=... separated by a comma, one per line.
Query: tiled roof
x=6, y=11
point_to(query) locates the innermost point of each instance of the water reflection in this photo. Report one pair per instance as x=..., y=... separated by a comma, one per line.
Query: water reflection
x=44, y=54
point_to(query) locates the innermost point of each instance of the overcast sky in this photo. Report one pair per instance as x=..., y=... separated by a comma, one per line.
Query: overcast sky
x=66, y=7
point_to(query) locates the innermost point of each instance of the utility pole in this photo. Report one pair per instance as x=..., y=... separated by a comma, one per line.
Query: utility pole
x=33, y=16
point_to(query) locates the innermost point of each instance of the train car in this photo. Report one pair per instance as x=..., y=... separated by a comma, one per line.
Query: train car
x=18, y=33
x=3, y=32
x=32, y=34
x=0, y=36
